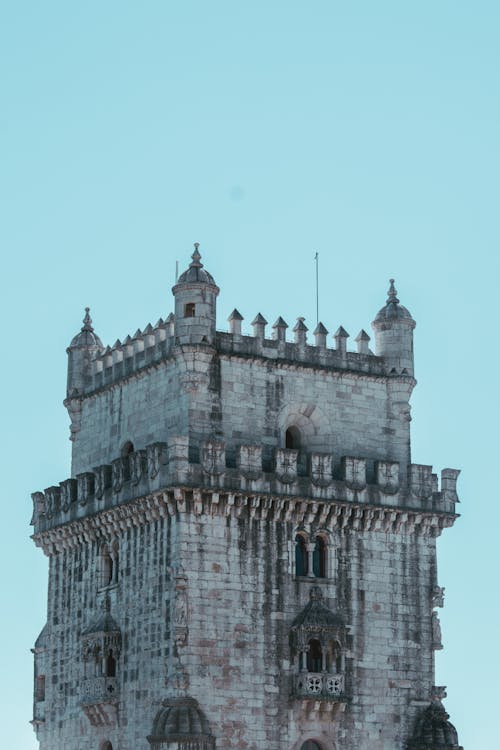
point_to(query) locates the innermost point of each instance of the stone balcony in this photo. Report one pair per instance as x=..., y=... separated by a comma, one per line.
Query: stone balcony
x=98, y=700
x=99, y=689
x=319, y=685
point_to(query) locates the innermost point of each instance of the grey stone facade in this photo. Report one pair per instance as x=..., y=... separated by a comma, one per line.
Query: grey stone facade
x=244, y=555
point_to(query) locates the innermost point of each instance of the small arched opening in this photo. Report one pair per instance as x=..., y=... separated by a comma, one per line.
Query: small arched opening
x=126, y=451
x=301, y=556
x=40, y=688
x=314, y=656
x=336, y=657
x=310, y=745
x=319, y=557
x=110, y=665
x=293, y=438
x=105, y=567
x=106, y=745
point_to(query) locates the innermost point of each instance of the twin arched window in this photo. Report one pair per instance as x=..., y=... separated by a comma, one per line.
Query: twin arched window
x=318, y=658
x=310, y=558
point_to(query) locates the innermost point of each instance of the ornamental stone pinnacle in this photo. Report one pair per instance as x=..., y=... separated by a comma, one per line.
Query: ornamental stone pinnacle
x=87, y=321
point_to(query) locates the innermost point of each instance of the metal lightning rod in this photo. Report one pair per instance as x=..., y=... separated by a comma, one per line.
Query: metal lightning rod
x=316, y=258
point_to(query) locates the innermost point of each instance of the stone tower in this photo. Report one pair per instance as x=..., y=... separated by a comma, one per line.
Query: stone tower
x=244, y=555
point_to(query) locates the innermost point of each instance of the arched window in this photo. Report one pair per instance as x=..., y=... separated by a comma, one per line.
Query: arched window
x=292, y=438
x=314, y=656
x=110, y=665
x=105, y=567
x=319, y=558
x=310, y=745
x=189, y=310
x=108, y=566
x=106, y=746
x=40, y=688
x=126, y=450
x=336, y=665
x=301, y=556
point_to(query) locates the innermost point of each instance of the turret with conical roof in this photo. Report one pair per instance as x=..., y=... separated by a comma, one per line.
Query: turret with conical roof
x=195, y=295
x=393, y=327
x=82, y=350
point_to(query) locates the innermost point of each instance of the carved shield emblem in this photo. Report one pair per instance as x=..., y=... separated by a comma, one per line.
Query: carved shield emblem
x=286, y=464
x=153, y=457
x=117, y=474
x=213, y=457
x=387, y=473
x=354, y=472
x=85, y=486
x=421, y=480
x=321, y=469
x=250, y=461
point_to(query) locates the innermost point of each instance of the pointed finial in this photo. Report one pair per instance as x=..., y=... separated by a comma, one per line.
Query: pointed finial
x=87, y=321
x=196, y=257
x=392, y=293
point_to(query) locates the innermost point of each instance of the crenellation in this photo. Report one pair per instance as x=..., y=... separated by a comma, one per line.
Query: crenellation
x=279, y=329
x=362, y=341
x=168, y=464
x=320, y=333
x=156, y=344
x=259, y=324
x=300, y=330
x=341, y=337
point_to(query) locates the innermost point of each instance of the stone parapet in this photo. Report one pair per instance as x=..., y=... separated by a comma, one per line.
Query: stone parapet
x=348, y=480
x=156, y=344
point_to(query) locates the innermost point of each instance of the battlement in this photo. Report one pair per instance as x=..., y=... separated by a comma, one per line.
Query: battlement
x=327, y=479
x=156, y=344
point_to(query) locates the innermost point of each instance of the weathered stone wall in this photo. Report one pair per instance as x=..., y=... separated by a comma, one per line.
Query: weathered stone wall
x=201, y=394
x=143, y=409
x=140, y=605
x=243, y=599
x=233, y=651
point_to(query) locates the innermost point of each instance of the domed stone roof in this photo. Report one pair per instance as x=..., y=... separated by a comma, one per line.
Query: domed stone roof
x=316, y=616
x=104, y=623
x=196, y=274
x=392, y=309
x=433, y=731
x=182, y=719
x=86, y=338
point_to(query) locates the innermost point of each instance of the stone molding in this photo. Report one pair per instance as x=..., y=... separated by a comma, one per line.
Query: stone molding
x=150, y=350
x=173, y=502
x=161, y=466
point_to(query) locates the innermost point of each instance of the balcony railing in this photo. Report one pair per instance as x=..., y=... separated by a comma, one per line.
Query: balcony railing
x=319, y=685
x=99, y=689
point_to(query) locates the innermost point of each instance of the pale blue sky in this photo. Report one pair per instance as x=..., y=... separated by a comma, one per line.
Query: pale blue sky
x=267, y=131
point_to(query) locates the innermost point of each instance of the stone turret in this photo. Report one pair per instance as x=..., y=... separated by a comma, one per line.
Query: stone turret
x=393, y=327
x=82, y=350
x=195, y=304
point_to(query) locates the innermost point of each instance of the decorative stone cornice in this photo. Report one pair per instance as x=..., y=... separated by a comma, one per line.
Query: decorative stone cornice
x=127, y=481
x=173, y=502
